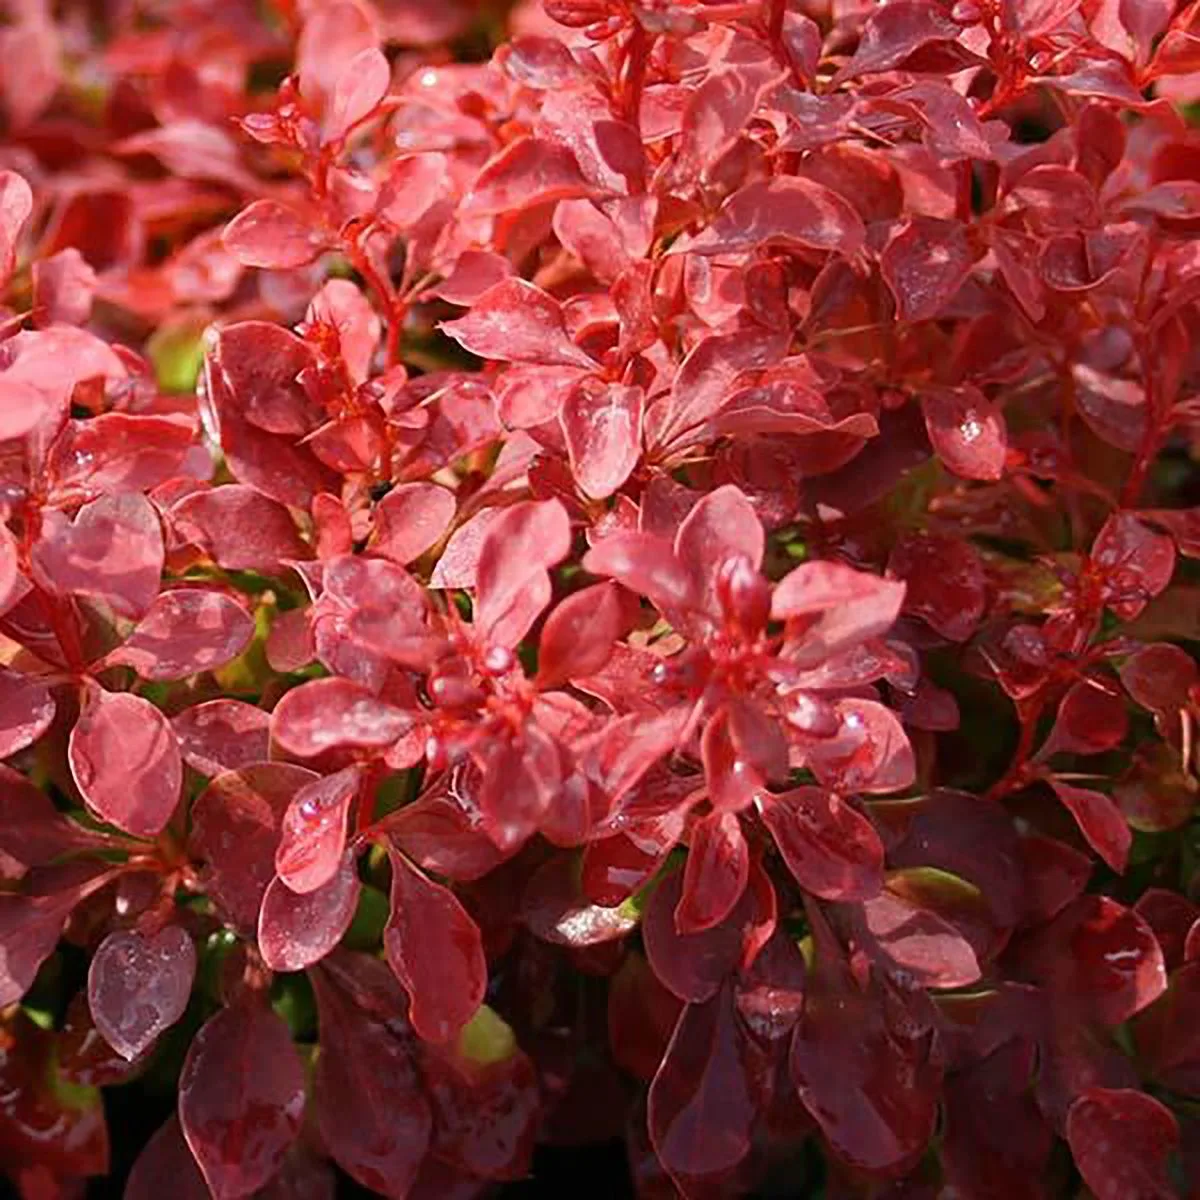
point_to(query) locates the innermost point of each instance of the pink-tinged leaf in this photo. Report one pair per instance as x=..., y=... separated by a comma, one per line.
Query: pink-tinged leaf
x=139, y=986
x=715, y=874
x=117, y=452
x=602, y=425
x=870, y=752
x=517, y=322
x=692, y=966
x=720, y=527
x=792, y=212
x=185, y=631
x=860, y=1058
x=241, y=1123
x=485, y=1113
x=361, y=85
x=126, y=762
x=555, y=909
x=1122, y=1140
x=262, y=363
x=512, y=585
x=234, y=833
x=295, y=931
x=166, y=1167
x=26, y=710
x=850, y=607
x=16, y=207
x=444, y=991
x=313, y=833
x=410, y=519
x=578, y=636
x=63, y=287
x=702, y=1110
x=371, y=1108
x=1100, y=821
x=908, y=928
x=732, y=781
x=1134, y=564
x=272, y=235
x=324, y=713
x=925, y=263
x=240, y=528
x=12, y=581
x=23, y=407
x=646, y=565
x=527, y=172
x=967, y=430
x=895, y=33
x=223, y=735
x=831, y=849
x=113, y=550
x=438, y=834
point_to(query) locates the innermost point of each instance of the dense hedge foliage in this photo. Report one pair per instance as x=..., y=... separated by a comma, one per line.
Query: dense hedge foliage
x=622, y=569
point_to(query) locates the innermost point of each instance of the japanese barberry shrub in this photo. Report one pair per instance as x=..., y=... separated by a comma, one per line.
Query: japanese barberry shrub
x=609, y=570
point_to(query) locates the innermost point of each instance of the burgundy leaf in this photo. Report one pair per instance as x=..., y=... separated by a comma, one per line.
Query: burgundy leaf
x=223, y=735
x=126, y=762
x=32, y=831
x=165, y=1166
x=1100, y=820
x=1133, y=562
x=554, y=908
x=371, y=1108
x=296, y=930
x=30, y=927
x=240, y=1123
x=715, y=874
x=139, y=986
x=1121, y=1141
x=701, y=1107
x=517, y=322
x=445, y=991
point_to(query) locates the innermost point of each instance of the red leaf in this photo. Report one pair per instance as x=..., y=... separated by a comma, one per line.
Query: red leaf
x=295, y=931
x=870, y=753
x=26, y=710
x=1100, y=820
x=371, y=1108
x=361, y=85
x=832, y=850
x=944, y=581
x=1090, y=720
x=527, y=172
x=511, y=583
x=554, y=908
x=223, y=735
x=23, y=407
x=240, y=527
x=1114, y=964
x=16, y=207
x=602, y=425
x=126, y=762
x=701, y=1107
x=862, y=1065
x=240, y=1123
x=410, y=519
x=967, y=431
x=183, y=632
x=850, y=606
x=139, y=986
x=1121, y=1141
x=272, y=235
x=234, y=833
x=113, y=550
x=692, y=966
x=715, y=873
x=893, y=34
x=32, y=831
x=166, y=1166
x=788, y=211
x=578, y=636
x=722, y=526
x=1133, y=563
x=325, y=713
x=517, y=322
x=30, y=927
x=925, y=263
x=313, y=831
x=444, y=990
x=63, y=287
